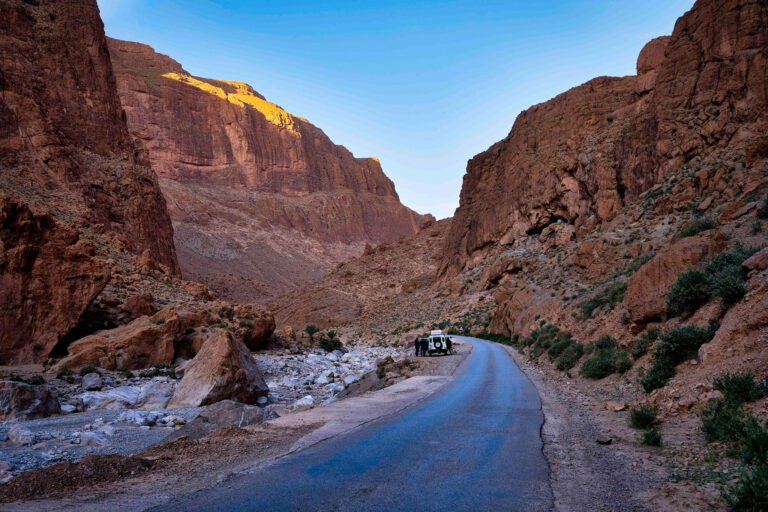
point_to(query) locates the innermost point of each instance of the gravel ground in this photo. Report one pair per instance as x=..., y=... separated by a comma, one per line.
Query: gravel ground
x=587, y=475
x=55, y=435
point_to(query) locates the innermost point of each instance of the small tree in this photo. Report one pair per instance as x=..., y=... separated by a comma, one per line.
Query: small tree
x=311, y=330
x=331, y=335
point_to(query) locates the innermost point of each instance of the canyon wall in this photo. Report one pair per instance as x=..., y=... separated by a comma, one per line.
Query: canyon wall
x=261, y=200
x=74, y=185
x=578, y=159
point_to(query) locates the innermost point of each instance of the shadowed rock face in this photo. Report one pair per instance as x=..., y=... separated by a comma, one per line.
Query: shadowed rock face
x=261, y=199
x=582, y=156
x=72, y=180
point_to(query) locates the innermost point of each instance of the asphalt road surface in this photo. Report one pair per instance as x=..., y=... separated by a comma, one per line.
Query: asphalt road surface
x=474, y=445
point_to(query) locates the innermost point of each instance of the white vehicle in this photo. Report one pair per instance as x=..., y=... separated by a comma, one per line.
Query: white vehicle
x=438, y=343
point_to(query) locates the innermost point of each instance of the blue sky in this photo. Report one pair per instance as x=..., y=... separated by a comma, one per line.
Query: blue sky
x=422, y=85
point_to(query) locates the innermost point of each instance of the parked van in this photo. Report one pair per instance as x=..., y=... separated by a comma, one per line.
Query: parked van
x=438, y=343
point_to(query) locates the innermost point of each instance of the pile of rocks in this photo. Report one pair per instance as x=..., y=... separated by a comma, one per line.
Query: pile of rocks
x=302, y=380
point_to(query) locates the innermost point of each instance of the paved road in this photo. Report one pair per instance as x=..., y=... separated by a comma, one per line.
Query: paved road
x=474, y=445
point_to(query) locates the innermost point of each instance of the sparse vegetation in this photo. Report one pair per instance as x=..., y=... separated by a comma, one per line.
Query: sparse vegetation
x=643, y=343
x=311, y=330
x=741, y=387
x=674, y=347
x=158, y=321
x=751, y=491
x=697, y=226
x=492, y=336
x=559, y=345
x=606, y=298
x=721, y=278
x=606, y=359
x=643, y=417
x=652, y=437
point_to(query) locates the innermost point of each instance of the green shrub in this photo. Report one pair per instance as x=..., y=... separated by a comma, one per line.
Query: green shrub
x=64, y=373
x=643, y=344
x=35, y=380
x=754, y=441
x=750, y=493
x=605, y=298
x=218, y=325
x=723, y=420
x=674, y=347
x=696, y=227
x=643, y=417
x=690, y=291
x=311, y=330
x=605, y=360
x=652, y=437
x=330, y=344
x=570, y=357
x=189, y=330
x=85, y=370
x=491, y=336
x=246, y=324
x=740, y=387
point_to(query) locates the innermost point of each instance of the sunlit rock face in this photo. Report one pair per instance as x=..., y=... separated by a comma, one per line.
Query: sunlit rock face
x=700, y=99
x=261, y=199
x=74, y=188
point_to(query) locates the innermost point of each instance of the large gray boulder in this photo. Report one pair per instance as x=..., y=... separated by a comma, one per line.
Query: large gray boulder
x=20, y=401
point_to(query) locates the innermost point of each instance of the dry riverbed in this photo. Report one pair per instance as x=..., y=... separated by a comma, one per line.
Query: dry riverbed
x=196, y=455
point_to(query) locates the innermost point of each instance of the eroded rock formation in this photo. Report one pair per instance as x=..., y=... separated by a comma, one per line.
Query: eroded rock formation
x=74, y=186
x=261, y=199
x=700, y=98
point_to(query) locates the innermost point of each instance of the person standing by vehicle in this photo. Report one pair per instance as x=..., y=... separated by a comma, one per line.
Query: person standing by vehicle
x=424, y=345
x=417, y=343
x=449, y=344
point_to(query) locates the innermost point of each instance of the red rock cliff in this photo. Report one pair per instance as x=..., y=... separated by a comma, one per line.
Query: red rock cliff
x=261, y=199
x=72, y=179
x=700, y=95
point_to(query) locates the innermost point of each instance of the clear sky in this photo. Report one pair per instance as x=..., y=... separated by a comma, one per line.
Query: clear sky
x=423, y=85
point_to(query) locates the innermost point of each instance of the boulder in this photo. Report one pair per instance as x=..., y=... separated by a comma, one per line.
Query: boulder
x=255, y=325
x=92, y=381
x=21, y=436
x=20, y=401
x=140, y=305
x=758, y=261
x=116, y=398
x=226, y=413
x=646, y=296
x=222, y=370
x=156, y=393
x=146, y=341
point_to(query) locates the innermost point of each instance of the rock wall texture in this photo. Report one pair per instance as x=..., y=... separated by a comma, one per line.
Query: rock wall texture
x=72, y=178
x=701, y=95
x=261, y=199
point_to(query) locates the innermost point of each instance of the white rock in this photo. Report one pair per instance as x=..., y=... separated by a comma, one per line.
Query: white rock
x=347, y=357
x=262, y=400
x=108, y=430
x=93, y=439
x=306, y=401
x=332, y=356
x=92, y=381
x=21, y=436
x=322, y=380
x=351, y=379
x=5, y=472
x=116, y=398
x=68, y=409
x=141, y=418
x=156, y=393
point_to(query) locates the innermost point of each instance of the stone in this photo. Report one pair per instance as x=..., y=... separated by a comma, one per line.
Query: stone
x=156, y=393
x=93, y=440
x=226, y=413
x=140, y=418
x=21, y=436
x=143, y=343
x=615, y=406
x=115, y=398
x=350, y=379
x=222, y=370
x=604, y=440
x=91, y=381
x=303, y=403
x=20, y=401
x=758, y=261
x=646, y=296
x=5, y=472
x=262, y=400
x=68, y=409
x=69, y=166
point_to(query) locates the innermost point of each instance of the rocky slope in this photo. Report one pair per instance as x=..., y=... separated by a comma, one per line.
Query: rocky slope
x=73, y=182
x=261, y=200
x=699, y=101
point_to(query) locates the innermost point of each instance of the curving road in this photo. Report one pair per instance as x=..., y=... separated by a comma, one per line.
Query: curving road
x=474, y=445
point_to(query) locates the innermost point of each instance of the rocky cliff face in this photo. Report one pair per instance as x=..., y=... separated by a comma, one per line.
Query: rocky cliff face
x=73, y=182
x=699, y=100
x=261, y=200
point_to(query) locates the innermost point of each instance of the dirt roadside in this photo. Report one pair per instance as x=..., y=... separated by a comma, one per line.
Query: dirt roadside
x=622, y=475
x=186, y=465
